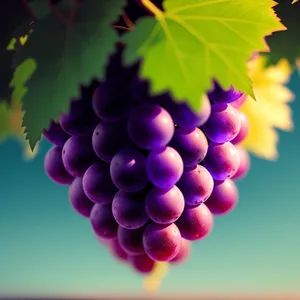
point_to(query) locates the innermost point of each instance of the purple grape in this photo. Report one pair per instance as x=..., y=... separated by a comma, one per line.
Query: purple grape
x=78, y=155
x=79, y=201
x=117, y=250
x=164, y=206
x=131, y=240
x=224, y=198
x=81, y=119
x=185, y=117
x=150, y=126
x=142, y=264
x=191, y=144
x=112, y=101
x=103, y=222
x=219, y=95
x=128, y=170
x=129, y=210
x=54, y=167
x=239, y=102
x=244, y=165
x=164, y=167
x=115, y=69
x=109, y=138
x=222, y=160
x=223, y=124
x=140, y=91
x=162, y=242
x=55, y=134
x=184, y=252
x=244, y=130
x=195, y=223
x=97, y=184
x=196, y=185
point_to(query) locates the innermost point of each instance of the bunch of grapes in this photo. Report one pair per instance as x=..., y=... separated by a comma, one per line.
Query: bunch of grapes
x=148, y=172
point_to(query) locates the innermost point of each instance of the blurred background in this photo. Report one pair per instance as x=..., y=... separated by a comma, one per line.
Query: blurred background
x=47, y=249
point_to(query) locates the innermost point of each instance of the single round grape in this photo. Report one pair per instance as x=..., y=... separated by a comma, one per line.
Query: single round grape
x=222, y=160
x=244, y=165
x=224, y=198
x=150, y=126
x=164, y=167
x=185, y=117
x=184, y=252
x=196, y=185
x=97, y=184
x=112, y=101
x=129, y=210
x=191, y=144
x=142, y=264
x=219, y=95
x=128, y=170
x=244, y=130
x=223, y=124
x=131, y=240
x=195, y=223
x=78, y=155
x=164, y=206
x=55, y=168
x=55, y=134
x=104, y=241
x=79, y=201
x=109, y=138
x=239, y=102
x=162, y=242
x=117, y=250
x=103, y=222
x=81, y=119
x=140, y=91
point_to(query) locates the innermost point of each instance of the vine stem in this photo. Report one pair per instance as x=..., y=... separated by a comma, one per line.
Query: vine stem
x=28, y=9
x=159, y=14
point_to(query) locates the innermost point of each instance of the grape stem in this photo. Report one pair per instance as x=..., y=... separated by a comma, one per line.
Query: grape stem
x=152, y=8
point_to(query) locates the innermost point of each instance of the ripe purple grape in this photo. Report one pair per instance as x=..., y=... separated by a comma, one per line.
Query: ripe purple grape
x=117, y=250
x=142, y=264
x=196, y=185
x=103, y=222
x=55, y=168
x=55, y=134
x=222, y=160
x=164, y=206
x=164, y=167
x=131, y=240
x=223, y=124
x=195, y=223
x=78, y=155
x=128, y=170
x=185, y=117
x=244, y=130
x=150, y=126
x=109, y=138
x=244, y=165
x=81, y=119
x=191, y=144
x=162, y=242
x=97, y=184
x=129, y=210
x=224, y=198
x=79, y=201
x=219, y=95
x=184, y=252
x=112, y=101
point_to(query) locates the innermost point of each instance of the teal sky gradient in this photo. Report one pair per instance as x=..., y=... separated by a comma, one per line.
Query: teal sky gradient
x=46, y=248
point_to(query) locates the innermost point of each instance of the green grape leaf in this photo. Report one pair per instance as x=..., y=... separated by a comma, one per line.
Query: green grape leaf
x=66, y=58
x=193, y=42
x=4, y=121
x=286, y=44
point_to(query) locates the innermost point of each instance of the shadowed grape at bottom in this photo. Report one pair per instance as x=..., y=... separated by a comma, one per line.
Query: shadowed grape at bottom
x=142, y=264
x=184, y=252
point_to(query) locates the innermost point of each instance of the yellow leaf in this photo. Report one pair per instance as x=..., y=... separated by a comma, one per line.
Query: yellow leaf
x=153, y=281
x=271, y=109
x=294, y=1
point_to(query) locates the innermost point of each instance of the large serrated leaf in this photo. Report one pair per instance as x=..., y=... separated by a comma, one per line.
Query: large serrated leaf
x=193, y=42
